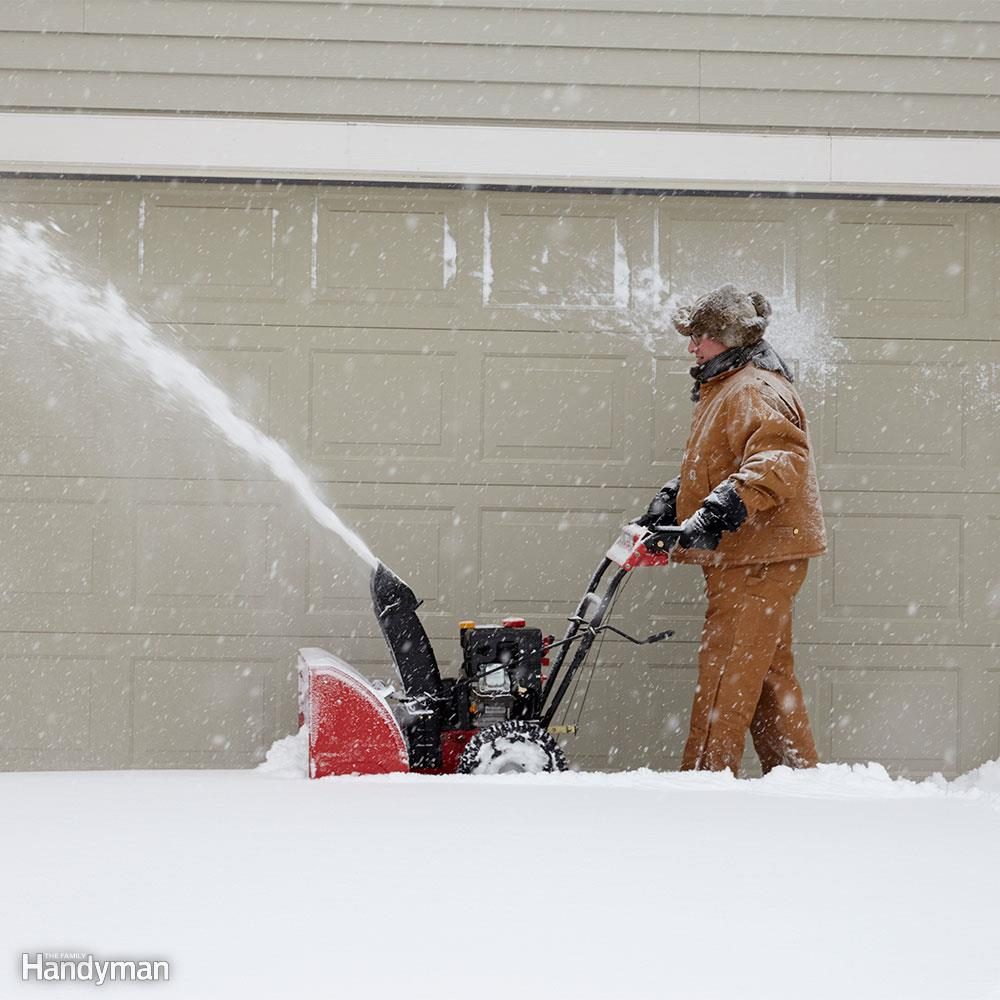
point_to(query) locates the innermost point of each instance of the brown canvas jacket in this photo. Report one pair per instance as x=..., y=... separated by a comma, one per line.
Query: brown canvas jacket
x=749, y=426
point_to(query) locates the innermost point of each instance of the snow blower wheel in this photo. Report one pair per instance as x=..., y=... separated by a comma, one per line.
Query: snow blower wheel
x=513, y=747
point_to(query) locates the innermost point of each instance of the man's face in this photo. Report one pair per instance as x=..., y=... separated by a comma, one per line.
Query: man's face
x=704, y=348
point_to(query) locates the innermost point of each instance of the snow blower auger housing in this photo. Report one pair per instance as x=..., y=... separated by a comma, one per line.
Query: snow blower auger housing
x=495, y=717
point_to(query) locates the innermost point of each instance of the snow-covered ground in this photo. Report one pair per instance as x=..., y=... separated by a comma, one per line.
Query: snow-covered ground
x=839, y=883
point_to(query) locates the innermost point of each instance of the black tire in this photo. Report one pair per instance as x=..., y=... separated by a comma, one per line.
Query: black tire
x=514, y=747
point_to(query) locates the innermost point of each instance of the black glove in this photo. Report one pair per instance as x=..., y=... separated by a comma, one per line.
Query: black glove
x=722, y=510
x=663, y=507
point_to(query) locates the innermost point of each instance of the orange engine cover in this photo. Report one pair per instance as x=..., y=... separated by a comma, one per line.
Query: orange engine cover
x=351, y=728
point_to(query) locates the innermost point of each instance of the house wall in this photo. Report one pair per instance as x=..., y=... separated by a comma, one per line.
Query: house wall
x=885, y=66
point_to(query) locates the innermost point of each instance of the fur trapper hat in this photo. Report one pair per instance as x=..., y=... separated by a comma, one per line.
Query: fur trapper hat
x=732, y=317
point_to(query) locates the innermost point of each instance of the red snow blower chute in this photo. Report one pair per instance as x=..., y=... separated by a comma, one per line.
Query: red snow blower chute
x=495, y=717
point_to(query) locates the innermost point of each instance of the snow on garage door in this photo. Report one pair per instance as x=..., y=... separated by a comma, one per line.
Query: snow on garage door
x=475, y=381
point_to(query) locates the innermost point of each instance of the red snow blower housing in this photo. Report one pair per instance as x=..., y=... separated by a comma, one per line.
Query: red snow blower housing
x=494, y=717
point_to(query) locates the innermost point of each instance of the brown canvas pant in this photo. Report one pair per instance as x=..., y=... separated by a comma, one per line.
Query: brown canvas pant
x=746, y=678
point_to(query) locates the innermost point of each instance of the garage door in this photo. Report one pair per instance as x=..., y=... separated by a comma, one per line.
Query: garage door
x=477, y=382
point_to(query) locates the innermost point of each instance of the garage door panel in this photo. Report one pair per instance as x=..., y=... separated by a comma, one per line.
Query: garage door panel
x=219, y=253
x=563, y=409
x=702, y=245
x=58, y=405
x=900, y=272
x=196, y=701
x=211, y=244
x=562, y=262
x=937, y=688
x=383, y=405
x=62, y=711
x=895, y=567
x=905, y=568
x=989, y=268
x=882, y=411
x=62, y=552
x=541, y=259
x=625, y=716
x=47, y=703
x=902, y=415
x=657, y=706
x=540, y=409
x=386, y=404
x=395, y=249
x=221, y=720
x=208, y=557
x=76, y=219
x=982, y=546
x=518, y=572
x=890, y=265
x=225, y=560
x=905, y=719
x=631, y=706
x=584, y=402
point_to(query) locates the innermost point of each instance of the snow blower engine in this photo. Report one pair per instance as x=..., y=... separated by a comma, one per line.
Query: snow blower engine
x=495, y=717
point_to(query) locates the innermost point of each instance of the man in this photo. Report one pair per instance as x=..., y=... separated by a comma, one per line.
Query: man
x=749, y=513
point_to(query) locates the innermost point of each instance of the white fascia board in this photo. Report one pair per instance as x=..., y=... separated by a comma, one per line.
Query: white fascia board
x=232, y=147
x=921, y=162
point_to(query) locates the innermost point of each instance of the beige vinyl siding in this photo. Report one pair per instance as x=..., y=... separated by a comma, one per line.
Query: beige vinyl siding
x=879, y=66
x=353, y=99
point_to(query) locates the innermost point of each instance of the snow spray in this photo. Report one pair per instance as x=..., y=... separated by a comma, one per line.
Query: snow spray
x=638, y=305
x=795, y=335
x=93, y=316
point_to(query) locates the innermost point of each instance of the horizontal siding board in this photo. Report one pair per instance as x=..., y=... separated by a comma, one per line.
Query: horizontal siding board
x=42, y=15
x=571, y=28
x=377, y=98
x=863, y=74
x=345, y=60
x=524, y=102
x=909, y=10
x=824, y=109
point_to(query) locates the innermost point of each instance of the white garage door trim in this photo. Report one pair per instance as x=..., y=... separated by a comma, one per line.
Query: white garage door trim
x=245, y=148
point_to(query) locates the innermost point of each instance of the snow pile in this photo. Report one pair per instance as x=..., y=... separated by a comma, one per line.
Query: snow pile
x=288, y=757
x=983, y=780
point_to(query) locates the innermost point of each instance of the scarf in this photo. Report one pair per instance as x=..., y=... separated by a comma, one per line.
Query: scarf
x=761, y=354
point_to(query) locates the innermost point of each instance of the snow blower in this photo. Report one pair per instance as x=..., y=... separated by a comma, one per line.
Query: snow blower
x=496, y=716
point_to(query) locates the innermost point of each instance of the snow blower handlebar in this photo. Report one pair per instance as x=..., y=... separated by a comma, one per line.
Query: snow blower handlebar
x=635, y=546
